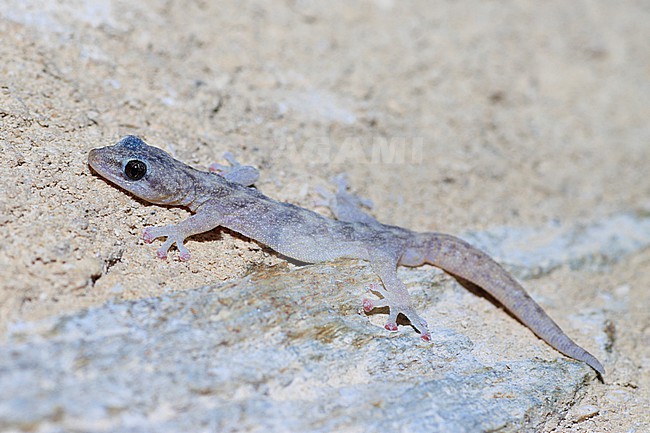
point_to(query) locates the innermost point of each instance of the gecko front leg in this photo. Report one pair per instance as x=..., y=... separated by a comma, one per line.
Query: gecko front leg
x=205, y=219
x=235, y=172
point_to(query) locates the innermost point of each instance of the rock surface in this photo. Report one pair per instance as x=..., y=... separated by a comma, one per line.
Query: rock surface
x=283, y=350
x=522, y=125
x=277, y=351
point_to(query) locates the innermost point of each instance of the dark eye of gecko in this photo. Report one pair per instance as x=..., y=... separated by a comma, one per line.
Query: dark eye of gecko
x=135, y=170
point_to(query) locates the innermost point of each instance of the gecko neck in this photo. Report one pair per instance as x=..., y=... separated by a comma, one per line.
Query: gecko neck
x=208, y=187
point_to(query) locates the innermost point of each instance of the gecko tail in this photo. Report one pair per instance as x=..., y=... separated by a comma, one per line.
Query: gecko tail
x=457, y=257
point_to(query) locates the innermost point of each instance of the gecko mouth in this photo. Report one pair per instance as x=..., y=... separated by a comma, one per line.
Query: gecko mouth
x=93, y=159
x=97, y=161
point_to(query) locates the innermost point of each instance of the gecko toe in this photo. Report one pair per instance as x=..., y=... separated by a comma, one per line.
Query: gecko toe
x=370, y=304
x=217, y=168
x=164, y=248
x=367, y=305
x=183, y=253
x=147, y=236
x=391, y=326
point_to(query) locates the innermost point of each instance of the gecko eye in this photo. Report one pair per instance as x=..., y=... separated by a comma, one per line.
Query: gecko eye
x=135, y=170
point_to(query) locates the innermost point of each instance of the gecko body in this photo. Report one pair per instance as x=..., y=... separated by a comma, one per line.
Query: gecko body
x=227, y=200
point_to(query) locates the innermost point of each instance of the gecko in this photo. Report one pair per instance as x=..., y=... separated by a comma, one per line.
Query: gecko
x=225, y=197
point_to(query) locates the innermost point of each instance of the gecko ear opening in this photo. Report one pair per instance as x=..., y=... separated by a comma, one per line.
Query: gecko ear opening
x=135, y=169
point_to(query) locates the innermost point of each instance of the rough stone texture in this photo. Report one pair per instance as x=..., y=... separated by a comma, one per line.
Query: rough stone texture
x=277, y=351
x=518, y=122
x=533, y=252
x=283, y=350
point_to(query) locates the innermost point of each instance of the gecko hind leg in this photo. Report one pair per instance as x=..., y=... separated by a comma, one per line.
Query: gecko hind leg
x=344, y=205
x=395, y=296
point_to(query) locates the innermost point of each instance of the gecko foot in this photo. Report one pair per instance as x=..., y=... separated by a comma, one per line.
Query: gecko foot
x=344, y=205
x=235, y=172
x=173, y=237
x=390, y=326
x=395, y=309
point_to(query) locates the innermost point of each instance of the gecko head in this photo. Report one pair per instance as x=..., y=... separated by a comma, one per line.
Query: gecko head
x=145, y=171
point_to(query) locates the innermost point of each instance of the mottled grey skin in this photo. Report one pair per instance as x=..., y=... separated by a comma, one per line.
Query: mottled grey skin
x=226, y=200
